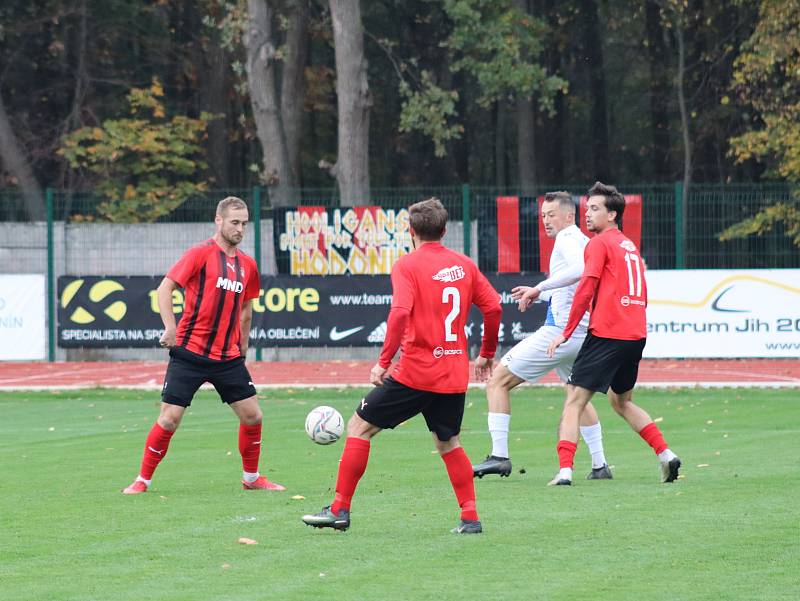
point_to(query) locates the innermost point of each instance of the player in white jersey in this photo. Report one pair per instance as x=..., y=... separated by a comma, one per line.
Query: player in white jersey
x=528, y=360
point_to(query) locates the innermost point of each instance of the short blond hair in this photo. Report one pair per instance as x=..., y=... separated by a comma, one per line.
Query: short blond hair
x=230, y=202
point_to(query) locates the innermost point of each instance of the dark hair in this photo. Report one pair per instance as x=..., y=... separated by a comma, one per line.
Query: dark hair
x=428, y=219
x=562, y=198
x=614, y=200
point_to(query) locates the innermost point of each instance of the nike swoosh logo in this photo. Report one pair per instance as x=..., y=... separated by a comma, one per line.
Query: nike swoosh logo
x=337, y=335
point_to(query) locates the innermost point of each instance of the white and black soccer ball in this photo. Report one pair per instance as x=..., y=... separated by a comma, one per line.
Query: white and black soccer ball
x=324, y=425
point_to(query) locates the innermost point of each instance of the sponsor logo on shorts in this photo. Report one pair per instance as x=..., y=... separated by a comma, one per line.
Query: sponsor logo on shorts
x=440, y=352
x=450, y=274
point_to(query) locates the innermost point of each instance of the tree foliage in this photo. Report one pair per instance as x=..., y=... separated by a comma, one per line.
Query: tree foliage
x=498, y=45
x=145, y=165
x=767, y=78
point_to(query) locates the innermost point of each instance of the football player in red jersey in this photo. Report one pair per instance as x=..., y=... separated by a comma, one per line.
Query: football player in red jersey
x=210, y=343
x=432, y=291
x=614, y=287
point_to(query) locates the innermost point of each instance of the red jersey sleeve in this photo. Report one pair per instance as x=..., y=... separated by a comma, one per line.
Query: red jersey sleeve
x=581, y=303
x=402, y=287
x=488, y=301
x=396, y=326
x=188, y=265
x=594, y=258
x=253, y=282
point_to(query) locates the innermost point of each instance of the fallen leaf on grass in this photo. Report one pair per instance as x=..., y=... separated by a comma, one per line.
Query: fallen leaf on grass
x=298, y=497
x=246, y=541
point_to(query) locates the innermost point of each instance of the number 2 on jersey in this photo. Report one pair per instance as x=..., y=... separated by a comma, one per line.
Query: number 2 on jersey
x=632, y=262
x=451, y=294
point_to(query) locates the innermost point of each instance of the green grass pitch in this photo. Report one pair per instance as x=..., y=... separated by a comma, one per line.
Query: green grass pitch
x=728, y=530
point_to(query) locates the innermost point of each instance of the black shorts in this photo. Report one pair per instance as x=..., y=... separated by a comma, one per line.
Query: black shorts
x=187, y=371
x=607, y=362
x=393, y=403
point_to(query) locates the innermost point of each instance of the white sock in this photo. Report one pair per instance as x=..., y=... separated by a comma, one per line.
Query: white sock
x=593, y=437
x=565, y=473
x=498, y=428
x=666, y=455
x=147, y=482
x=250, y=477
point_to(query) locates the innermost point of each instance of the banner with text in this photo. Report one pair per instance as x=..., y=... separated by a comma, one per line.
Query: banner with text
x=22, y=317
x=723, y=313
x=122, y=312
x=340, y=241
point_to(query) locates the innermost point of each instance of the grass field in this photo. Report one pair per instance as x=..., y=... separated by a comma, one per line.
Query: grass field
x=729, y=529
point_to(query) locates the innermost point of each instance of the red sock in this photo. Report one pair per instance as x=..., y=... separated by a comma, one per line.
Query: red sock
x=653, y=436
x=250, y=446
x=459, y=469
x=352, y=466
x=155, y=449
x=566, y=453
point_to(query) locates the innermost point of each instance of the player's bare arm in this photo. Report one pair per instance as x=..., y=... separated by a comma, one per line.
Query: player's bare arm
x=377, y=374
x=554, y=344
x=245, y=320
x=525, y=296
x=164, y=295
x=483, y=368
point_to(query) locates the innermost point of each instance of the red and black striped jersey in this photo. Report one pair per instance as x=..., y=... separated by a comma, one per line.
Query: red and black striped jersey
x=216, y=286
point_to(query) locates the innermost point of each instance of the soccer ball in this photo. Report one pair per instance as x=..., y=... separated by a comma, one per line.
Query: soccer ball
x=324, y=425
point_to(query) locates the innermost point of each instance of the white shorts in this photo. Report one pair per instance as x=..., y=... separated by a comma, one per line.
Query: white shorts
x=528, y=359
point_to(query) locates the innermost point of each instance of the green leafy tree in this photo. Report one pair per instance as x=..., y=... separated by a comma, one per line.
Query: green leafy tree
x=494, y=43
x=767, y=78
x=145, y=165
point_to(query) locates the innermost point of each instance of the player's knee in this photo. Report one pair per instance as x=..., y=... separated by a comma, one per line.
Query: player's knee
x=168, y=422
x=359, y=428
x=253, y=418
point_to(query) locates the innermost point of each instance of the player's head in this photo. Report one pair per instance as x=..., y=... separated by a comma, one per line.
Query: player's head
x=427, y=220
x=231, y=219
x=558, y=212
x=604, y=208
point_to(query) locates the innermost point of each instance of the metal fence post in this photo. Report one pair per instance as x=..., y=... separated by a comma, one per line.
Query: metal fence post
x=257, y=249
x=466, y=219
x=51, y=277
x=680, y=243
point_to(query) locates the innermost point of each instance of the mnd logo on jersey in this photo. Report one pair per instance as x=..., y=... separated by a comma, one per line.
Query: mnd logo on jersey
x=232, y=285
x=450, y=274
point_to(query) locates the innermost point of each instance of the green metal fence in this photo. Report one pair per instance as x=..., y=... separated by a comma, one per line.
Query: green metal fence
x=76, y=239
x=670, y=238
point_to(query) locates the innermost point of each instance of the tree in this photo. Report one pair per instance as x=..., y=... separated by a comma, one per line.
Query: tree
x=494, y=45
x=767, y=78
x=15, y=160
x=354, y=103
x=146, y=165
x=277, y=110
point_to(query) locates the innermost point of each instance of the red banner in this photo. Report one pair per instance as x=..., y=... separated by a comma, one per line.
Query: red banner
x=508, y=234
x=631, y=226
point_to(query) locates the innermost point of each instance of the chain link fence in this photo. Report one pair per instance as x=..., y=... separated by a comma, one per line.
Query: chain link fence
x=78, y=239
